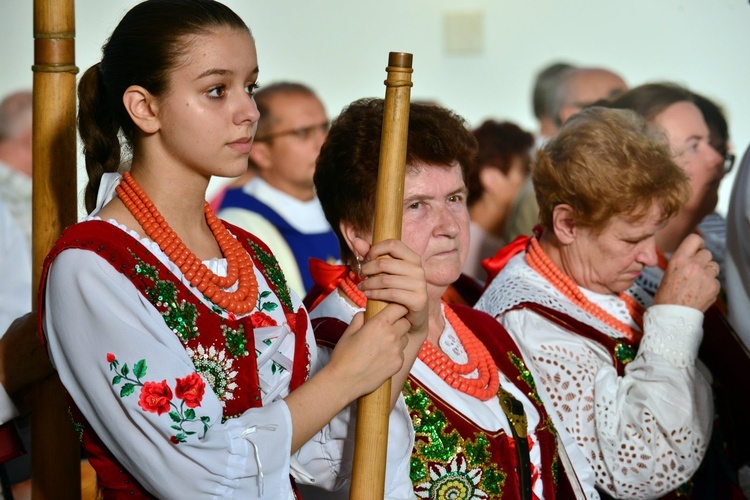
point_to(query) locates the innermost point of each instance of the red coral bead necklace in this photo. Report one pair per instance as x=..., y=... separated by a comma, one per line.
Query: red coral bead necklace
x=484, y=387
x=210, y=284
x=542, y=264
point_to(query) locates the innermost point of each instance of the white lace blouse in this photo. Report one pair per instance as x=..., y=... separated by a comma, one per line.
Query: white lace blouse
x=645, y=432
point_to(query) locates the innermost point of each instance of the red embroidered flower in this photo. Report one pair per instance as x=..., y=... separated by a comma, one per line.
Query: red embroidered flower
x=261, y=319
x=110, y=357
x=190, y=389
x=155, y=397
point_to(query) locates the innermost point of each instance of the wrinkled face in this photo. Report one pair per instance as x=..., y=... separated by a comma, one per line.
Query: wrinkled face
x=609, y=261
x=296, y=135
x=208, y=117
x=436, y=221
x=689, y=141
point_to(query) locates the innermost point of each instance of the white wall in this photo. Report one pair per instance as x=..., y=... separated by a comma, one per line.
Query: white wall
x=341, y=48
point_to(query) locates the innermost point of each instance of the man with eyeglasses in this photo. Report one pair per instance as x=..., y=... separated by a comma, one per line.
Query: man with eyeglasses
x=279, y=204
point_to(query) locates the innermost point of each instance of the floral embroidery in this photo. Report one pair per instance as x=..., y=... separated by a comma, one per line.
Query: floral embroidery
x=525, y=376
x=77, y=426
x=180, y=317
x=190, y=389
x=445, y=465
x=625, y=353
x=260, y=319
x=217, y=368
x=236, y=340
x=453, y=482
x=267, y=305
x=156, y=397
x=271, y=270
x=275, y=367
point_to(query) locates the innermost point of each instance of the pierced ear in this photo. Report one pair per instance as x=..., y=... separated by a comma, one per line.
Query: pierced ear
x=260, y=155
x=564, y=224
x=143, y=108
x=349, y=234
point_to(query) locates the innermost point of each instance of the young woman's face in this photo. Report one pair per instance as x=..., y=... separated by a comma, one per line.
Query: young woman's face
x=208, y=116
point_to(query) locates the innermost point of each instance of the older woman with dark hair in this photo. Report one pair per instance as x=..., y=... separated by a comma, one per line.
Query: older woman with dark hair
x=479, y=429
x=617, y=366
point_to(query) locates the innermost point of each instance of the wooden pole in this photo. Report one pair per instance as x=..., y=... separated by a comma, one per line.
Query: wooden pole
x=368, y=474
x=55, y=448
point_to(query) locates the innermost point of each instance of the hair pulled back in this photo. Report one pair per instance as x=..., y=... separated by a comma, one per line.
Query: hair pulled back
x=148, y=43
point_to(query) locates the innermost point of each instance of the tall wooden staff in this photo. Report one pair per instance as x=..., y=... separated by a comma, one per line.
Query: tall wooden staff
x=368, y=475
x=56, y=451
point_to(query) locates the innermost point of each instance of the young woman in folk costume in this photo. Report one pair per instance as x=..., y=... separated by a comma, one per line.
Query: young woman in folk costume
x=185, y=356
x=478, y=427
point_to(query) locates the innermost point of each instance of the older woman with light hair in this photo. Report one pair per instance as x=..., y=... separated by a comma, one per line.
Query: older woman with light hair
x=616, y=366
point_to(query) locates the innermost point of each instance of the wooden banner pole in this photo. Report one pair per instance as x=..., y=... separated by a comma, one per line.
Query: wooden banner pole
x=368, y=474
x=55, y=448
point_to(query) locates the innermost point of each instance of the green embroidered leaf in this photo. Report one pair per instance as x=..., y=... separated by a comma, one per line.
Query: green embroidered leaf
x=127, y=390
x=269, y=306
x=189, y=414
x=125, y=370
x=190, y=433
x=265, y=294
x=139, y=370
x=175, y=416
x=175, y=427
x=180, y=438
x=205, y=419
x=116, y=380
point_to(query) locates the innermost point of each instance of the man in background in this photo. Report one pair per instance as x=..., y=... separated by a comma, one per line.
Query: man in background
x=560, y=91
x=15, y=159
x=16, y=362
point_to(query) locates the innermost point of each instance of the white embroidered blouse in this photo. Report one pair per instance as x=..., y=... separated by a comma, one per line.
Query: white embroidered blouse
x=645, y=432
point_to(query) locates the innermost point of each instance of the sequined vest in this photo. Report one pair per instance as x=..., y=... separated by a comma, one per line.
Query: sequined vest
x=213, y=339
x=452, y=456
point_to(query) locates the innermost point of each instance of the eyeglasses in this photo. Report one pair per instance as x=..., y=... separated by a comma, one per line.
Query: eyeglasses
x=301, y=133
x=728, y=162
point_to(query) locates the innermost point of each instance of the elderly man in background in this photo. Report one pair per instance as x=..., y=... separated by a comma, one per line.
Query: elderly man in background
x=568, y=91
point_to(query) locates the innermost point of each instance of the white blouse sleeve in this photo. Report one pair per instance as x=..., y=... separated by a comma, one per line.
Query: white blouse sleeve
x=645, y=432
x=96, y=323
x=327, y=458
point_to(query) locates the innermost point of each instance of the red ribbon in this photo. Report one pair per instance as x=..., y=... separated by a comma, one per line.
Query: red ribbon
x=326, y=278
x=493, y=265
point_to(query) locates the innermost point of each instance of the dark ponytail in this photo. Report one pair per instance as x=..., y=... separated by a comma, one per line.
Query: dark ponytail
x=147, y=44
x=98, y=129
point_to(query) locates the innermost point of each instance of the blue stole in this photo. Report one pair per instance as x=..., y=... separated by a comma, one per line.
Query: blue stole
x=323, y=246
